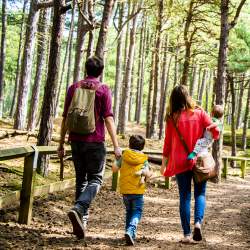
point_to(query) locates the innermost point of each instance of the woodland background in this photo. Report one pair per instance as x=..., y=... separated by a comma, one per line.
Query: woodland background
x=149, y=46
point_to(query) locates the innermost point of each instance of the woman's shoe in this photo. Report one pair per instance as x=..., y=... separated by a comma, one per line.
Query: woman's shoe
x=197, y=233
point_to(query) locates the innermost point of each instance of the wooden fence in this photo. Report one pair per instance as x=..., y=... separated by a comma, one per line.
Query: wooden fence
x=28, y=191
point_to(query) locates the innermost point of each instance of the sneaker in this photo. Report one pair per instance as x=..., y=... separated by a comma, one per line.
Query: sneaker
x=197, y=234
x=129, y=239
x=78, y=228
x=186, y=240
x=138, y=173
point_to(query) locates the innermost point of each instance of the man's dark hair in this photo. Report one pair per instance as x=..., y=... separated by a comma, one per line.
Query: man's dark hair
x=94, y=66
x=217, y=111
x=136, y=142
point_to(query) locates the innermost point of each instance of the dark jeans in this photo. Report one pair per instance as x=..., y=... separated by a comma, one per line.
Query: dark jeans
x=89, y=161
x=134, y=207
x=184, y=183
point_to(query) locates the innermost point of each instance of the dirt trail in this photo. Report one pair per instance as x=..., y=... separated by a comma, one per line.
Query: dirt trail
x=226, y=226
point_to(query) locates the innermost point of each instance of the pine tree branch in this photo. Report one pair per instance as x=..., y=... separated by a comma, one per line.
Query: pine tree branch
x=237, y=14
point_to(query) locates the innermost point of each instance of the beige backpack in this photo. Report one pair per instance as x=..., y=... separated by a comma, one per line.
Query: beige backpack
x=81, y=114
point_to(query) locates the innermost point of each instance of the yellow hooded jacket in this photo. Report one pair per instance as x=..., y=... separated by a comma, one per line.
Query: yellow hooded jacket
x=132, y=162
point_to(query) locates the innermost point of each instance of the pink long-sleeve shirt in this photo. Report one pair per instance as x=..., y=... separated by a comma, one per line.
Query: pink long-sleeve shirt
x=191, y=125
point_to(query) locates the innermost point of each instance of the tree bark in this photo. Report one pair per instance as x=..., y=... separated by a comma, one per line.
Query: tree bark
x=124, y=107
x=246, y=119
x=150, y=96
x=194, y=81
x=162, y=111
x=221, y=74
x=240, y=99
x=19, y=58
x=188, y=44
x=66, y=58
x=118, y=74
x=48, y=106
x=101, y=42
x=203, y=86
x=31, y=28
x=81, y=32
x=2, y=55
x=41, y=52
x=233, y=132
x=157, y=79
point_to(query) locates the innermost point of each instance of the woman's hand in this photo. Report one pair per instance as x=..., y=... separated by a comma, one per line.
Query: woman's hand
x=163, y=164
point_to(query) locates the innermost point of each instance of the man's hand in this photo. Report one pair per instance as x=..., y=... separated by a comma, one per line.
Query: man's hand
x=61, y=151
x=118, y=152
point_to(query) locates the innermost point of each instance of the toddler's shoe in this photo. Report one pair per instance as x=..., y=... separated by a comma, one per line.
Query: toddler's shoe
x=191, y=156
x=138, y=173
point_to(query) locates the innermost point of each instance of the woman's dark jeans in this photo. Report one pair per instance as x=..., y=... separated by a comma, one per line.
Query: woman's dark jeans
x=184, y=181
x=89, y=161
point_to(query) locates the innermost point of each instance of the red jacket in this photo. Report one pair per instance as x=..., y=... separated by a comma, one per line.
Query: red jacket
x=191, y=125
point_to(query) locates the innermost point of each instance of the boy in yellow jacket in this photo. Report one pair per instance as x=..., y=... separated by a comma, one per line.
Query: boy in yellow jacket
x=132, y=162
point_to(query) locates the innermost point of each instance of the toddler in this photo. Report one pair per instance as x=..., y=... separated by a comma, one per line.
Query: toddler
x=202, y=145
x=132, y=164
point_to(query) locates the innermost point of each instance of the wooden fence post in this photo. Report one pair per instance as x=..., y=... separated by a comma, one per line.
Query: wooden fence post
x=225, y=167
x=115, y=177
x=167, y=183
x=26, y=196
x=243, y=165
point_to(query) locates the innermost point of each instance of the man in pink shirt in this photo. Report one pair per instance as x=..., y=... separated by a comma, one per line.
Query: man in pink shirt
x=88, y=151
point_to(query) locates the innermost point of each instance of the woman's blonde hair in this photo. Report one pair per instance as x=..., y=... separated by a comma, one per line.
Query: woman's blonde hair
x=179, y=100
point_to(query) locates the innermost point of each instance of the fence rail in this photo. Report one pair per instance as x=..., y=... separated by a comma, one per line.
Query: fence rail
x=28, y=191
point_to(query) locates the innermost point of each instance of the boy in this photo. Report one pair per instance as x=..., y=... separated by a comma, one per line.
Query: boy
x=202, y=145
x=132, y=161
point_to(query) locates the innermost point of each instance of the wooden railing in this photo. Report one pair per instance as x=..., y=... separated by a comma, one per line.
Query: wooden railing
x=28, y=191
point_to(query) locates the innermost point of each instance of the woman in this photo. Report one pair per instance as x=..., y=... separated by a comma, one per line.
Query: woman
x=191, y=123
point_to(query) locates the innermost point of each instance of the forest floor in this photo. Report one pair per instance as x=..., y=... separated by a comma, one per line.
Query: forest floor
x=226, y=224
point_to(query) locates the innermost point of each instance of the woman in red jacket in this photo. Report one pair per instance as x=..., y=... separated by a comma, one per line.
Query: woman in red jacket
x=191, y=122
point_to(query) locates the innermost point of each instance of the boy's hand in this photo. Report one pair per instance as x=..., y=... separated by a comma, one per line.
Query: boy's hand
x=61, y=151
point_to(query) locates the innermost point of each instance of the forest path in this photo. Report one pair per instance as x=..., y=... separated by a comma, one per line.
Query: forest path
x=226, y=226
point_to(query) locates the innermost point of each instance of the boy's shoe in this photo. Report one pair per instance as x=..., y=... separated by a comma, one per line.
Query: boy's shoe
x=78, y=228
x=129, y=239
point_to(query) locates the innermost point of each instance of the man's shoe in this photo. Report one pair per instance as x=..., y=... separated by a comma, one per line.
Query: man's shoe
x=129, y=239
x=78, y=228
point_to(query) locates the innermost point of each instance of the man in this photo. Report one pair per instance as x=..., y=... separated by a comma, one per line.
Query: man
x=88, y=151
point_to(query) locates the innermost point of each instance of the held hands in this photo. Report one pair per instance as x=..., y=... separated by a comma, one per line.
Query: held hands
x=118, y=152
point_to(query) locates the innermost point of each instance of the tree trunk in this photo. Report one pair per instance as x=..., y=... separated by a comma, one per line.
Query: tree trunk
x=140, y=97
x=150, y=96
x=118, y=74
x=67, y=55
x=240, y=99
x=49, y=99
x=157, y=79
x=19, y=58
x=139, y=72
x=221, y=73
x=246, y=119
x=91, y=32
x=101, y=43
x=233, y=132
x=208, y=90
x=21, y=110
x=81, y=32
x=176, y=66
x=194, y=81
x=162, y=111
x=124, y=107
x=188, y=44
x=2, y=55
x=203, y=86
x=41, y=52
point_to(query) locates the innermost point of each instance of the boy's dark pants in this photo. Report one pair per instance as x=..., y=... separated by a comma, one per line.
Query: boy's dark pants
x=89, y=161
x=134, y=207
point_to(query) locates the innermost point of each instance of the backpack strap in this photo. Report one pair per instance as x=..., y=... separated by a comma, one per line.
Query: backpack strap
x=180, y=136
